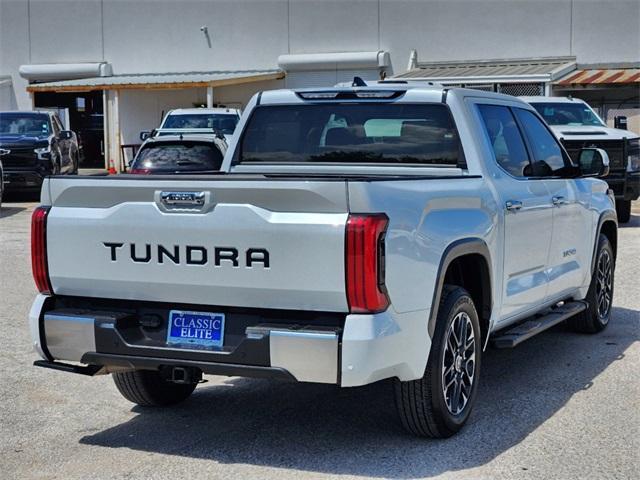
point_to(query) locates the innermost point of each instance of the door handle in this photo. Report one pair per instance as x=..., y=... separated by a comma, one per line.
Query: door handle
x=559, y=200
x=513, y=205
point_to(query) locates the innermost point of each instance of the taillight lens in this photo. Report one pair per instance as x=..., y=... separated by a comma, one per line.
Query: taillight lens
x=39, y=250
x=366, y=292
x=140, y=171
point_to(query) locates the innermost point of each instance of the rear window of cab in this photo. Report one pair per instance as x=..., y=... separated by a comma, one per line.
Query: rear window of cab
x=377, y=133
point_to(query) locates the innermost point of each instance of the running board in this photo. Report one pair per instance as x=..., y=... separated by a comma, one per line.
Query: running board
x=536, y=324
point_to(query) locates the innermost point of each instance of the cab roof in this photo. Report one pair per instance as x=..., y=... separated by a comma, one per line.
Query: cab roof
x=203, y=111
x=552, y=100
x=220, y=143
x=387, y=90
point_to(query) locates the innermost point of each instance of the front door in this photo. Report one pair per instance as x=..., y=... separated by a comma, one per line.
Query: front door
x=571, y=242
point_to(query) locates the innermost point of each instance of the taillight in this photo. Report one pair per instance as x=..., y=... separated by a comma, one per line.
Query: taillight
x=364, y=260
x=39, y=250
x=140, y=171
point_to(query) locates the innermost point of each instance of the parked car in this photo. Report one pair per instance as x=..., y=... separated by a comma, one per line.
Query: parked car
x=222, y=120
x=34, y=145
x=359, y=234
x=187, y=153
x=577, y=126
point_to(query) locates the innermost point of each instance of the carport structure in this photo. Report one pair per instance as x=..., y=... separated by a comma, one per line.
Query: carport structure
x=521, y=76
x=135, y=102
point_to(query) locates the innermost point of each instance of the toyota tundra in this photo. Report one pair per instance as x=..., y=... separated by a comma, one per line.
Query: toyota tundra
x=354, y=234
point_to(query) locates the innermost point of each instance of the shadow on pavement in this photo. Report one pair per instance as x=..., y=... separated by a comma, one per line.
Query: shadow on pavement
x=17, y=196
x=633, y=222
x=6, y=211
x=317, y=428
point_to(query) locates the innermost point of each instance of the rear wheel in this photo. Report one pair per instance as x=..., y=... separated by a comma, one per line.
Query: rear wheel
x=148, y=388
x=623, y=209
x=600, y=295
x=438, y=404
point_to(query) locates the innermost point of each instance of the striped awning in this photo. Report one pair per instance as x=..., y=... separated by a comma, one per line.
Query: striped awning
x=601, y=76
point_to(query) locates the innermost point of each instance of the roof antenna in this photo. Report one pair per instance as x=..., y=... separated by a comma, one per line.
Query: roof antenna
x=358, y=82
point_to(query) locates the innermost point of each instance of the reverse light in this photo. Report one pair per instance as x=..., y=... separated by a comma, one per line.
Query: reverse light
x=39, y=264
x=364, y=259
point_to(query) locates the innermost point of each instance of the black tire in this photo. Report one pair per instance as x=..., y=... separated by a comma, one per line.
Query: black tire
x=148, y=388
x=74, y=160
x=623, y=209
x=425, y=409
x=595, y=319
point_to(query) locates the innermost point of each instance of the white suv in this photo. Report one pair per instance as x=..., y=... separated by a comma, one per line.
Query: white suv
x=223, y=120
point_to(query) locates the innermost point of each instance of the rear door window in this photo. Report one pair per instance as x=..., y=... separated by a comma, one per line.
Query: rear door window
x=506, y=140
x=379, y=133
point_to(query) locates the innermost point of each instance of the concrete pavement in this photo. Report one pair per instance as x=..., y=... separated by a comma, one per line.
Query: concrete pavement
x=562, y=405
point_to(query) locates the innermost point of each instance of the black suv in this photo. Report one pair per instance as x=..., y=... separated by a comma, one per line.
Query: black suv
x=33, y=144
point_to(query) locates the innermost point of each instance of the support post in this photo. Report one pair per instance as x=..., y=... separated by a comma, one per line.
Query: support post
x=209, y=96
x=112, y=150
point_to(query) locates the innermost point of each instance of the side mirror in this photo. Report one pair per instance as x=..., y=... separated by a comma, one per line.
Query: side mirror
x=620, y=122
x=144, y=135
x=593, y=162
x=66, y=135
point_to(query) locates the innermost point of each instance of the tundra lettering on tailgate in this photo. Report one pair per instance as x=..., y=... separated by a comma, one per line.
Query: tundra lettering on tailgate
x=190, y=255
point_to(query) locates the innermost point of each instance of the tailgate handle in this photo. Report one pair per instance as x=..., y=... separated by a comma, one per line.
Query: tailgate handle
x=182, y=199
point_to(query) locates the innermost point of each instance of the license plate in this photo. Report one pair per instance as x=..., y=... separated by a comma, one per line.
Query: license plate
x=195, y=329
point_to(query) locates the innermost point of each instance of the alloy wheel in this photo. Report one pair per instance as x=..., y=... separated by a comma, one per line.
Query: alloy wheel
x=604, y=285
x=458, y=363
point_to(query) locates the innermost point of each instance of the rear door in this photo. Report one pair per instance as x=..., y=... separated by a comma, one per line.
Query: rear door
x=249, y=242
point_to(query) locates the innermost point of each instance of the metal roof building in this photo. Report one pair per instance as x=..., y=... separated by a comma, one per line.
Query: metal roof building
x=158, y=81
x=113, y=69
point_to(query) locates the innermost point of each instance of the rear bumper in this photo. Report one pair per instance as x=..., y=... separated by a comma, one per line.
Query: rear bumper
x=364, y=349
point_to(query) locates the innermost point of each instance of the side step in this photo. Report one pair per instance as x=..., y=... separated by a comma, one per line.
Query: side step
x=536, y=324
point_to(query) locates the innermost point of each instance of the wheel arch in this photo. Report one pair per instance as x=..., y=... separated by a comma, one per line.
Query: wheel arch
x=608, y=226
x=466, y=263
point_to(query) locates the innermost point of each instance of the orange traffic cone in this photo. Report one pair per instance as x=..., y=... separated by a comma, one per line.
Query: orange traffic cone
x=112, y=168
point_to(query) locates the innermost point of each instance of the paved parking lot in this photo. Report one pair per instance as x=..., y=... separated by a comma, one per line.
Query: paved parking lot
x=562, y=405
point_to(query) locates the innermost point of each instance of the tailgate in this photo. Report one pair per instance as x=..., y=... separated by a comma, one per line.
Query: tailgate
x=232, y=242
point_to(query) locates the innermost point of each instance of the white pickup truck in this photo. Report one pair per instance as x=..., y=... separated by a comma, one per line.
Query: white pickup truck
x=354, y=234
x=577, y=126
